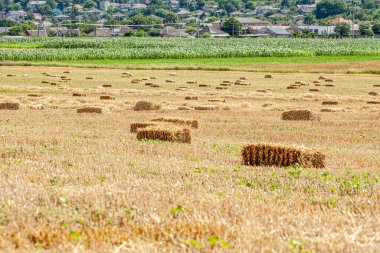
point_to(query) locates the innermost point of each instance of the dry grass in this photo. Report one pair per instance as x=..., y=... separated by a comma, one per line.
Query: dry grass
x=280, y=155
x=300, y=115
x=83, y=183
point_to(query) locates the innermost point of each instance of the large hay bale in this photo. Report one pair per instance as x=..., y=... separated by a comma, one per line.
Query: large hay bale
x=136, y=125
x=282, y=156
x=165, y=132
x=192, y=82
x=98, y=110
x=9, y=106
x=330, y=102
x=373, y=93
x=332, y=110
x=191, y=98
x=376, y=85
x=300, y=115
x=89, y=78
x=268, y=76
x=106, y=97
x=322, y=78
x=155, y=86
x=184, y=108
x=329, y=85
x=328, y=80
x=221, y=88
x=373, y=102
x=169, y=81
x=178, y=121
x=107, y=85
x=206, y=108
x=45, y=82
x=136, y=81
x=146, y=106
x=314, y=90
x=34, y=95
x=217, y=100
x=204, y=85
x=75, y=94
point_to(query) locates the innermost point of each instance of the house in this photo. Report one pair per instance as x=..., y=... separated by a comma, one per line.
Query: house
x=169, y=31
x=121, y=30
x=101, y=21
x=264, y=9
x=277, y=32
x=4, y=30
x=101, y=32
x=237, y=13
x=105, y=5
x=15, y=15
x=183, y=13
x=94, y=12
x=62, y=17
x=247, y=22
x=37, y=16
x=277, y=15
x=341, y=20
x=118, y=16
x=306, y=9
x=137, y=7
x=37, y=33
x=214, y=29
x=34, y=4
x=46, y=24
x=319, y=30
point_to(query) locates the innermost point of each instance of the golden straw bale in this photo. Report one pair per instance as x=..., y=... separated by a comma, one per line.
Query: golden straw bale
x=66, y=72
x=225, y=84
x=146, y=106
x=153, y=77
x=149, y=84
x=106, y=97
x=11, y=75
x=322, y=78
x=135, y=81
x=217, y=100
x=329, y=80
x=9, y=106
x=373, y=93
x=316, y=82
x=330, y=102
x=300, y=115
x=206, y=108
x=155, y=86
x=262, y=91
x=93, y=110
x=268, y=76
x=169, y=81
x=376, y=85
x=35, y=95
x=107, y=85
x=184, y=108
x=292, y=87
x=314, y=90
x=178, y=121
x=89, y=78
x=330, y=85
x=221, y=88
x=78, y=94
x=165, y=132
x=45, y=82
x=204, y=85
x=373, y=102
x=192, y=82
x=281, y=156
x=136, y=125
x=332, y=110
x=191, y=98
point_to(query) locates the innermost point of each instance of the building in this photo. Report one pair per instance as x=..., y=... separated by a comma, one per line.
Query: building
x=306, y=9
x=34, y=4
x=62, y=17
x=101, y=32
x=276, y=32
x=16, y=15
x=341, y=20
x=4, y=30
x=214, y=30
x=169, y=31
x=319, y=30
x=246, y=22
x=37, y=33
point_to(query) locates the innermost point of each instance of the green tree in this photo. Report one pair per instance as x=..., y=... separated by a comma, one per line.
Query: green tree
x=20, y=29
x=327, y=8
x=342, y=29
x=171, y=17
x=365, y=30
x=376, y=28
x=232, y=26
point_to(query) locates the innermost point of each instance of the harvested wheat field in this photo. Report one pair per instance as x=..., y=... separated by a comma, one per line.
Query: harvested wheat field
x=83, y=174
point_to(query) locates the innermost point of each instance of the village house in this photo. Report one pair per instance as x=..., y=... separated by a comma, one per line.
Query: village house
x=214, y=30
x=34, y=4
x=169, y=31
x=273, y=31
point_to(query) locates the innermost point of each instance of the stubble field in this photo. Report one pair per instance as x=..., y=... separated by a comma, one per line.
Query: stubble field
x=83, y=183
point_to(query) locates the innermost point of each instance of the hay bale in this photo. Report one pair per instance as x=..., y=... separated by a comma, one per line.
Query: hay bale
x=66, y=72
x=332, y=110
x=376, y=85
x=330, y=102
x=373, y=93
x=184, y=108
x=107, y=85
x=316, y=82
x=34, y=95
x=9, y=106
x=243, y=78
x=206, y=108
x=169, y=81
x=146, y=106
x=178, y=121
x=300, y=115
x=221, y=88
x=135, y=81
x=225, y=84
x=172, y=74
x=217, y=100
x=192, y=82
x=149, y=84
x=373, y=102
x=262, y=91
x=54, y=84
x=165, y=132
x=78, y=94
x=11, y=75
x=137, y=125
x=89, y=78
x=155, y=86
x=268, y=76
x=314, y=90
x=191, y=98
x=330, y=85
x=292, y=87
x=328, y=80
x=153, y=77
x=98, y=110
x=281, y=156
x=204, y=85
x=322, y=78
x=45, y=82
x=106, y=97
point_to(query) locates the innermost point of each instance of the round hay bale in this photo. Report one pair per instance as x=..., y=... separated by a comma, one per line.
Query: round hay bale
x=373, y=93
x=268, y=76
x=146, y=106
